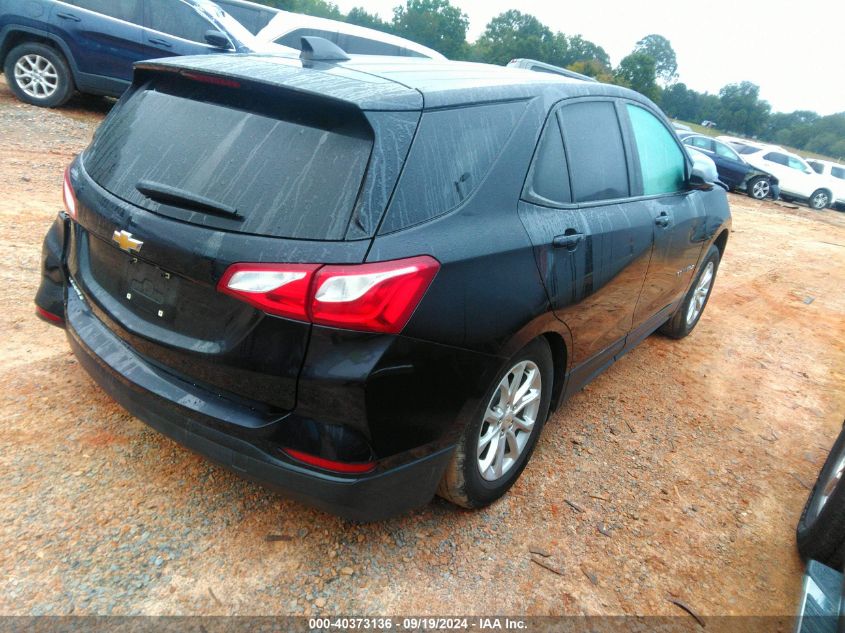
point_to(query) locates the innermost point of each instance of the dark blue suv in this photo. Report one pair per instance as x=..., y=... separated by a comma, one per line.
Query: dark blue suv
x=50, y=48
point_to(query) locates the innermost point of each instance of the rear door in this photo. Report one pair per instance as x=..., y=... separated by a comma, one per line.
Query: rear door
x=676, y=213
x=732, y=169
x=592, y=243
x=174, y=27
x=104, y=36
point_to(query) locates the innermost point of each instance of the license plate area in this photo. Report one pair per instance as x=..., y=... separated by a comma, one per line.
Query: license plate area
x=151, y=290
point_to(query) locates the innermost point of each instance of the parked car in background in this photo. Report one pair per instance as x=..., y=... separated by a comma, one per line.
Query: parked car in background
x=735, y=172
x=384, y=273
x=288, y=28
x=543, y=67
x=821, y=542
x=51, y=48
x=835, y=173
x=681, y=127
x=252, y=15
x=797, y=179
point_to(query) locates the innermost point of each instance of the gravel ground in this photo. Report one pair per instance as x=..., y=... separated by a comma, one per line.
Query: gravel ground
x=678, y=474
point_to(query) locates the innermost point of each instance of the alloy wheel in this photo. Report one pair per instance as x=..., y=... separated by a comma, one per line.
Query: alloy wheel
x=509, y=420
x=760, y=189
x=699, y=296
x=36, y=76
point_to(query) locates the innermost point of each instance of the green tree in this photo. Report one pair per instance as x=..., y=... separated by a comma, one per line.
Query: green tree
x=319, y=8
x=360, y=17
x=593, y=68
x=433, y=23
x=514, y=34
x=742, y=110
x=661, y=51
x=637, y=71
x=580, y=50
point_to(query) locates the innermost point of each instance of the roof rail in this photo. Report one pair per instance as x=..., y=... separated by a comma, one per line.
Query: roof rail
x=319, y=49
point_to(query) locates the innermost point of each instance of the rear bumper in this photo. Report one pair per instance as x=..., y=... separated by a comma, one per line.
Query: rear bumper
x=187, y=415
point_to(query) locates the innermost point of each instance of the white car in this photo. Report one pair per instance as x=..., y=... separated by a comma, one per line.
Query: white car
x=797, y=179
x=835, y=173
x=288, y=29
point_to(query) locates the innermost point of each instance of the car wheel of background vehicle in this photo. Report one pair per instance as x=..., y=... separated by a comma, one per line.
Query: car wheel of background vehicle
x=759, y=188
x=38, y=75
x=496, y=445
x=820, y=199
x=821, y=529
x=686, y=317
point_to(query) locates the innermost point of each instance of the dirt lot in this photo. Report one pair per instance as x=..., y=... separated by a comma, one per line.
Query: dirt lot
x=689, y=460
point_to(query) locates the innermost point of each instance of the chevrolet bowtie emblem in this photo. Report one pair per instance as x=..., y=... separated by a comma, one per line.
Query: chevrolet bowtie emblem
x=125, y=240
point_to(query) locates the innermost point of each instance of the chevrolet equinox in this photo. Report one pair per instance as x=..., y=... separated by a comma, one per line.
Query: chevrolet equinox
x=365, y=281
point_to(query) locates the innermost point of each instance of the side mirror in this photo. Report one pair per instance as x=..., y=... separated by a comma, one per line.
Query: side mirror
x=703, y=174
x=218, y=40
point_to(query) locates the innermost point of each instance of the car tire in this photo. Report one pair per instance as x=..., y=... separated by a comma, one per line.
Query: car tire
x=759, y=188
x=38, y=75
x=472, y=479
x=820, y=199
x=688, y=314
x=821, y=529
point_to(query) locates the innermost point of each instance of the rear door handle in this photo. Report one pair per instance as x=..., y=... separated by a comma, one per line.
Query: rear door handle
x=663, y=220
x=160, y=42
x=569, y=241
x=69, y=16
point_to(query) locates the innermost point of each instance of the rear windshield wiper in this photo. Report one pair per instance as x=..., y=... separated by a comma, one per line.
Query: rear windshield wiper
x=185, y=199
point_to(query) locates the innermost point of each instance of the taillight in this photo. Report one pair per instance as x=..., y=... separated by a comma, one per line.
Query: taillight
x=378, y=297
x=280, y=289
x=330, y=464
x=68, y=195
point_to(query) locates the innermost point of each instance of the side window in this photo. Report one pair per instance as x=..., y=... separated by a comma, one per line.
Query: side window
x=700, y=142
x=355, y=45
x=593, y=140
x=177, y=19
x=452, y=153
x=550, y=175
x=725, y=152
x=817, y=167
x=838, y=172
x=796, y=164
x=294, y=38
x=777, y=157
x=662, y=162
x=126, y=10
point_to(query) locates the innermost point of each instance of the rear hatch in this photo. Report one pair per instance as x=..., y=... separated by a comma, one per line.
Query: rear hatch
x=192, y=172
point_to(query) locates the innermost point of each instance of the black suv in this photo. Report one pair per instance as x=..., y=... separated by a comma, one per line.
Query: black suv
x=364, y=282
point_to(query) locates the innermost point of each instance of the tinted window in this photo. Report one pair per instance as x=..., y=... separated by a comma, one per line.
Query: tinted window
x=794, y=163
x=662, y=162
x=177, y=19
x=452, y=153
x=817, y=167
x=355, y=45
x=745, y=149
x=253, y=19
x=126, y=10
x=724, y=151
x=550, y=177
x=294, y=38
x=285, y=175
x=838, y=172
x=700, y=142
x=775, y=157
x=593, y=139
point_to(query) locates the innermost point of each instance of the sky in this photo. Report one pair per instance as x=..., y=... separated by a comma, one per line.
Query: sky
x=793, y=50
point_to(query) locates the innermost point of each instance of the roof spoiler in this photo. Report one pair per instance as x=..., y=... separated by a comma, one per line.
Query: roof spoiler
x=319, y=49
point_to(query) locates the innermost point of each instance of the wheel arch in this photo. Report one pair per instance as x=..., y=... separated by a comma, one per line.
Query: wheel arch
x=721, y=242
x=14, y=35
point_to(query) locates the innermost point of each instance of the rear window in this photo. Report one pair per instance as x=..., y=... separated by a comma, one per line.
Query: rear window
x=838, y=172
x=284, y=175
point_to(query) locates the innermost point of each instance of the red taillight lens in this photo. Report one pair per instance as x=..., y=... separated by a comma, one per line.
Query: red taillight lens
x=280, y=289
x=214, y=80
x=68, y=195
x=330, y=464
x=378, y=297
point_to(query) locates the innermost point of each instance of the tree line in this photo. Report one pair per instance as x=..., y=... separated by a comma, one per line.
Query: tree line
x=651, y=68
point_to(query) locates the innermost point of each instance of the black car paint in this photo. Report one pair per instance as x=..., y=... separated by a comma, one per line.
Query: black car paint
x=401, y=400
